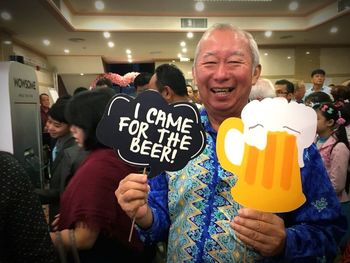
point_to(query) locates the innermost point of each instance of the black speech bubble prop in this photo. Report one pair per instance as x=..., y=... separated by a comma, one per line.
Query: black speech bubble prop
x=146, y=131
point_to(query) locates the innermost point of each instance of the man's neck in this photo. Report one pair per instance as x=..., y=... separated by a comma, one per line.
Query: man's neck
x=317, y=87
x=45, y=109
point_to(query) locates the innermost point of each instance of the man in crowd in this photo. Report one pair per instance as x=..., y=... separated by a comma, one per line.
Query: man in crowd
x=170, y=82
x=193, y=208
x=284, y=89
x=318, y=76
x=141, y=82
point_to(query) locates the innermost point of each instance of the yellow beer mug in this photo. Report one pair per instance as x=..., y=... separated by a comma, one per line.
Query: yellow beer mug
x=268, y=180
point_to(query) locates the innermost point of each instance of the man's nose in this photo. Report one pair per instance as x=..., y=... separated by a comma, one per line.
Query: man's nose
x=221, y=73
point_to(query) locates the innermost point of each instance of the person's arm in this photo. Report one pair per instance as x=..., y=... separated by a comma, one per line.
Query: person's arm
x=84, y=237
x=314, y=229
x=339, y=165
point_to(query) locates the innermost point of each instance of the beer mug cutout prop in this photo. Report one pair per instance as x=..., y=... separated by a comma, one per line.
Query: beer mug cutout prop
x=265, y=150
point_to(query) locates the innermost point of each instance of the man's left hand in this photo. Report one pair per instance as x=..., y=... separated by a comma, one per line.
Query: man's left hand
x=265, y=232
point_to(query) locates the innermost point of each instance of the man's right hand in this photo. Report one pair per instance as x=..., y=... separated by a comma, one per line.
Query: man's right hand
x=132, y=195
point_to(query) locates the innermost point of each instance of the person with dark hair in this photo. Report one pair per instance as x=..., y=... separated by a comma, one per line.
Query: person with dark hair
x=318, y=77
x=79, y=89
x=141, y=81
x=317, y=98
x=61, y=167
x=193, y=208
x=23, y=230
x=170, y=82
x=104, y=83
x=91, y=221
x=333, y=145
x=284, y=88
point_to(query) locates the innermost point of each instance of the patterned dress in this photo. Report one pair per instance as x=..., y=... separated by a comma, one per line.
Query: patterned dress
x=24, y=235
x=192, y=209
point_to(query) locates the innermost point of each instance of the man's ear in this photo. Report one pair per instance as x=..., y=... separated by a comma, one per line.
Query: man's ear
x=256, y=74
x=167, y=94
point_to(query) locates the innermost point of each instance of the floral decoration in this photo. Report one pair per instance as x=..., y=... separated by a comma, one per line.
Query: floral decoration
x=122, y=81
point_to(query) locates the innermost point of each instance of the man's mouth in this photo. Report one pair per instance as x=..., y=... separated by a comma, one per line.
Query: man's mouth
x=221, y=90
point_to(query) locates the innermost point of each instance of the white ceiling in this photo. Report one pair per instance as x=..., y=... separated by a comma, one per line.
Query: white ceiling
x=151, y=29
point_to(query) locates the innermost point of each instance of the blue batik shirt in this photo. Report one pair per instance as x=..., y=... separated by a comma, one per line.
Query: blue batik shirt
x=192, y=209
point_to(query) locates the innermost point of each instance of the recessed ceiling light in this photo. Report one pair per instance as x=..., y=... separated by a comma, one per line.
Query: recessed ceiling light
x=129, y=60
x=128, y=51
x=179, y=55
x=307, y=52
x=266, y=54
x=7, y=42
x=46, y=42
x=189, y=35
x=66, y=51
x=293, y=6
x=183, y=43
x=100, y=5
x=106, y=34
x=6, y=15
x=81, y=74
x=289, y=57
x=184, y=50
x=334, y=30
x=268, y=33
x=110, y=44
x=173, y=61
x=128, y=56
x=199, y=6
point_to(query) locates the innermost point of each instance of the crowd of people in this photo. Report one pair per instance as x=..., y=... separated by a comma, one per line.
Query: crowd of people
x=93, y=195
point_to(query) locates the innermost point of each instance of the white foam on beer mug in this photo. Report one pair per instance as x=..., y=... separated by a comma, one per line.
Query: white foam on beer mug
x=276, y=114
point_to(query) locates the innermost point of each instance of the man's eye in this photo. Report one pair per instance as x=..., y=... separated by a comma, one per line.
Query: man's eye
x=209, y=62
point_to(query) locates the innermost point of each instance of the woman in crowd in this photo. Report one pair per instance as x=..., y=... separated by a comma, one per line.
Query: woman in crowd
x=91, y=223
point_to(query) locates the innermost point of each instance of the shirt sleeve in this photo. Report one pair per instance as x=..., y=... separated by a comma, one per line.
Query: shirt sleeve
x=158, y=202
x=314, y=229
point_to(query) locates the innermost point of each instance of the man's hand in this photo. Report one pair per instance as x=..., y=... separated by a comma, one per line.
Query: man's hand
x=265, y=232
x=132, y=197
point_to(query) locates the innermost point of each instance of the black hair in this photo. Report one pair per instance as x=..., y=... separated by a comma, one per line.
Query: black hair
x=318, y=71
x=79, y=89
x=289, y=85
x=85, y=110
x=142, y=79
x=171, y=76
x=57, y=110
x=317, y=97
x=104, y=82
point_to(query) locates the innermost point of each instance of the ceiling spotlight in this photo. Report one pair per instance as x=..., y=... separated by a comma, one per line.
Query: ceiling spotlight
x=268, y=33
x=183, y=43
x=293, y=6
x=189, y=35
x=66, y=51
x=199, y=6
x=110, y=44
x=128, y=56
x=106, y=34
x=129, y=60
x=128, y=51
x=100, y=5
x=81, y=74
x=307, y=52
x=46, y=42
x=179, y=55
x=173, y=61
x=266, y=54
x=289, y=57
x=333, y=30
x=184, y=50
x=6, y=15
x=7, y=42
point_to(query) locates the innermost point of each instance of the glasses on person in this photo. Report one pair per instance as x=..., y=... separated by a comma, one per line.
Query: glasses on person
x=281, y=92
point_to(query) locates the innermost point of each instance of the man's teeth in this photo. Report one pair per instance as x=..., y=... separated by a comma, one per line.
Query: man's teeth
x=222, y=90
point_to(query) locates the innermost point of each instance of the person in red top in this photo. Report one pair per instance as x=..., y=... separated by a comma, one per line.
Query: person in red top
x=91, y=221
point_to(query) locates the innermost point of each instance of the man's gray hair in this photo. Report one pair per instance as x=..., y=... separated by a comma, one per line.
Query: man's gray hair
x=252, y=43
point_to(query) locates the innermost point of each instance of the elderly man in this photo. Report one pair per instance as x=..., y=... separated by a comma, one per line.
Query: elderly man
x=193, y=208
